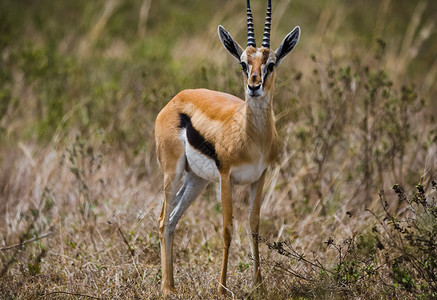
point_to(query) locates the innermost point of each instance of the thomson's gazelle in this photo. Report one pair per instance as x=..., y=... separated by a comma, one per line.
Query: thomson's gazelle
x=214, y=136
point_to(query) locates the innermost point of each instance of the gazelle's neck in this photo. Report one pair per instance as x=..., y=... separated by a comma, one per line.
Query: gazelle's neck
x=262, y=103
x=259, y=115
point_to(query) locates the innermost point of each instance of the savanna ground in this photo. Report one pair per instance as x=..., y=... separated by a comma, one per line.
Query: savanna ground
x=349, y=209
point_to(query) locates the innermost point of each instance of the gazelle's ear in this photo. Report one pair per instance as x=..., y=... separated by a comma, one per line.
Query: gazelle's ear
x=287, y=44
x=229, y=43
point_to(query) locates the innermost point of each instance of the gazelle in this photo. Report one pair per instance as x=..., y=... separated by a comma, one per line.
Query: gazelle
x=213, y=136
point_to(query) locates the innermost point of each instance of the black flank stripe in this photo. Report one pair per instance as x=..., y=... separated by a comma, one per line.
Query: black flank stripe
x=197, y=140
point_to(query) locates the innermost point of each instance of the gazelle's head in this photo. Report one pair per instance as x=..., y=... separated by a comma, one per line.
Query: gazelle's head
x=259, y=64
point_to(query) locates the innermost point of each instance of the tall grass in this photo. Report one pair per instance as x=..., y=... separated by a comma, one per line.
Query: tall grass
x=80, y=190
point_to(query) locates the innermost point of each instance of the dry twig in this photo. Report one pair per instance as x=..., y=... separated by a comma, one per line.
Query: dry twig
x=27, y=242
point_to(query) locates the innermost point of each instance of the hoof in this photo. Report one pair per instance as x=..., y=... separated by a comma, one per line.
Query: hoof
x=222, y=291
x=168, y=291
x=259, y=291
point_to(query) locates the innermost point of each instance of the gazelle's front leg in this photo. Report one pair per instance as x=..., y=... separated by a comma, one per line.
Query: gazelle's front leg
x=226, y=199
x=255, y=205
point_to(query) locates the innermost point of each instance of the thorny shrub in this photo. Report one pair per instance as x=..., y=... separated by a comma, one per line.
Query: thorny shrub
x=396, y=257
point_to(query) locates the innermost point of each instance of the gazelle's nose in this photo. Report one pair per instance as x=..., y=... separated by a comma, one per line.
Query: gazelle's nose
x=254, y=88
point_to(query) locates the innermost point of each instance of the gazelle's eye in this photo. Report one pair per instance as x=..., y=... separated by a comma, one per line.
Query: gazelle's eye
x=270, y=67
x=243, y=66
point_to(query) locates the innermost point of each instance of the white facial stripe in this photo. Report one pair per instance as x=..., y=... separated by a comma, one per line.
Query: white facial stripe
x=244, y=57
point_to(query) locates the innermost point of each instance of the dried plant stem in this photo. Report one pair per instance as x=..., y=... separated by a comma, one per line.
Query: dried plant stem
x=71, y=294
x=131, y=251
x=100, y=24
x=27, y=242
x=142, y=18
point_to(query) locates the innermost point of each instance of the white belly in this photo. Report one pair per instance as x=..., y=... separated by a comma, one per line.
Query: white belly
x=206, y=168
x=248, y=173
x=201, y=164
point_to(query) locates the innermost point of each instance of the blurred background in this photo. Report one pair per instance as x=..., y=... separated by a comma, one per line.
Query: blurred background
x=81, y=83
x=112, y=65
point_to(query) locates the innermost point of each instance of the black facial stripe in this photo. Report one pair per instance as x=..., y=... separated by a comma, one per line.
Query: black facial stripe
x=267, y=71
x=244, y=68
x=197, y=140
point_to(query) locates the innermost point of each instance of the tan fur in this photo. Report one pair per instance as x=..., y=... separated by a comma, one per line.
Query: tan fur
x=224, y=120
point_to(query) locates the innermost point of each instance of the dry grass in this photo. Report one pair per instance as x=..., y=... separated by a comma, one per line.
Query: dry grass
x=101, y=241
x=81, y=222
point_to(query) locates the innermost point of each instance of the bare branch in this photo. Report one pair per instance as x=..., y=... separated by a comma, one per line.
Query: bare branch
x=27, y=242
x=68, y=293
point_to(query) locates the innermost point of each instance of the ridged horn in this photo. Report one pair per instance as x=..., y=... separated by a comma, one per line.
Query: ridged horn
x=250, y=30
x=266, y=35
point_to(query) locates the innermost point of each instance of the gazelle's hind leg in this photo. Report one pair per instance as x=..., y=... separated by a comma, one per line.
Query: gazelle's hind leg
x=172, y=177
x=174, y=206
x=255, y=207
x=193, y=186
